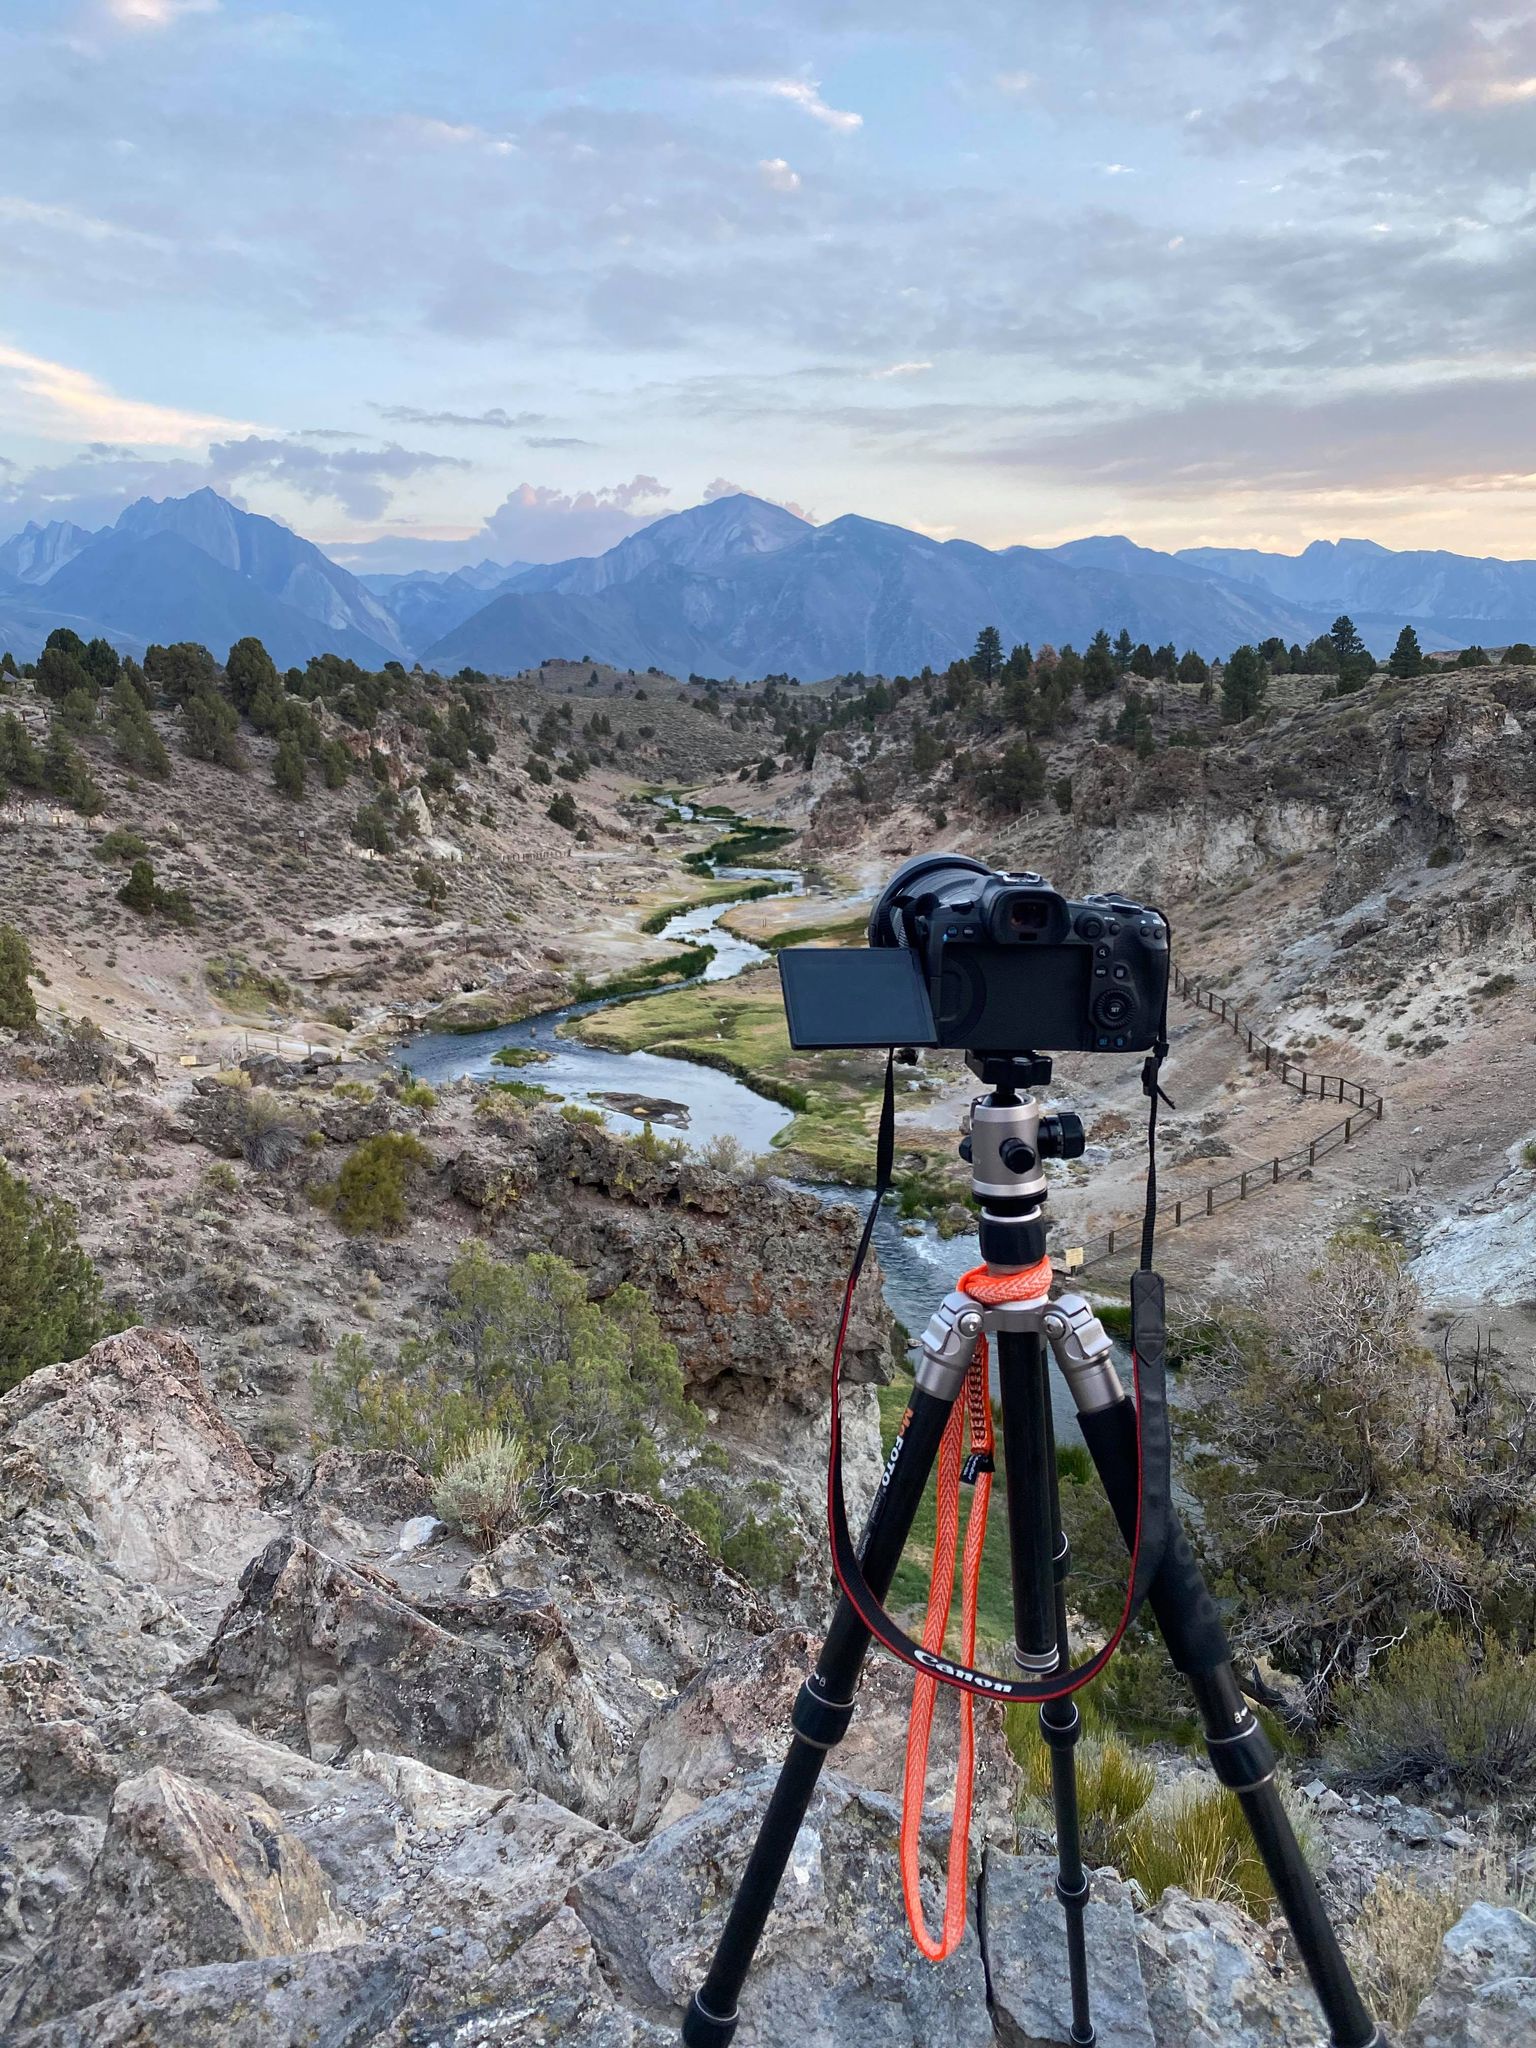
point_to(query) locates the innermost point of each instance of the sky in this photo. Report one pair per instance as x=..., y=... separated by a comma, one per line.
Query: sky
x=432, y=284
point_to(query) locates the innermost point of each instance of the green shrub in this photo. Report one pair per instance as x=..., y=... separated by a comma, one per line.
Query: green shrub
x=18, y=1005
x=211, y=729
x=141, y=892
x=367, y=1197
x=50, y=1296
x=762, y=1548
x=519, y=1348
x=483, y=1488
x=1439, y=857
x=1437, y=1713
x=121, y=844
x=417, y=1095
x=701, y=1510
x=563, y=812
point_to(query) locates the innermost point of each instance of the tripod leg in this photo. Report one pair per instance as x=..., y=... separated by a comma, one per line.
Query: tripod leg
x=1040, y=1560
x=1240, y=1751
x=822, y=1713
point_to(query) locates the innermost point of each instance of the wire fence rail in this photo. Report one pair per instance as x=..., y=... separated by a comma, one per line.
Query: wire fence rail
x=1368, y=1108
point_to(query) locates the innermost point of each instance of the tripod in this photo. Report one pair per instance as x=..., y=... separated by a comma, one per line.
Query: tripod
x=1008, y=1140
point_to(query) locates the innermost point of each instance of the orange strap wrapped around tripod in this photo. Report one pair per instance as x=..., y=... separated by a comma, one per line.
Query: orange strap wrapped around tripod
x=971, y=1419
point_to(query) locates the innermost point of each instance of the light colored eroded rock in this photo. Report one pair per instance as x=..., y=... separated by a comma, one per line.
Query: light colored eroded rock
x=1485, y=1993
x=326, y=1659
x=185, y=1876
x=170, y=1490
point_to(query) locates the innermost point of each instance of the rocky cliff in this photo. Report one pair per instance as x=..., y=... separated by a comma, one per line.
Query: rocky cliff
x=267, y=1779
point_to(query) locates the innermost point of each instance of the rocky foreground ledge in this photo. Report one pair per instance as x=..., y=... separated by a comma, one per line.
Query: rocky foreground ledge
x=268, y=1780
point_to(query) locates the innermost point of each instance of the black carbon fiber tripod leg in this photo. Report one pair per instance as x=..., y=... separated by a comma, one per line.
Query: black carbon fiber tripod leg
x=1040, y=1558
x=822, y=1713
x=1240, y=1751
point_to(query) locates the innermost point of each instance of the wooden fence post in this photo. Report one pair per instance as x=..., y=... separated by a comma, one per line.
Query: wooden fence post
x=1312, y=1153
x=1275, y=1176
x=1242, y=1185
x=1209, y=1206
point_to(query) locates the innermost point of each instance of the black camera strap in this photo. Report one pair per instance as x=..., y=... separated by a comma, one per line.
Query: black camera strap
x=1154, y=1454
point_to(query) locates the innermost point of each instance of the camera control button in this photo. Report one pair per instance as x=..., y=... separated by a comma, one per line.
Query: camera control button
x=1101, y=974
x=1122, y=973
x=1090, y=927
x=1102, y=952
x=1112, y=927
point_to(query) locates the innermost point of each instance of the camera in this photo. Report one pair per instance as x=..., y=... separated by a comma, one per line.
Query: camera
x=964, y=956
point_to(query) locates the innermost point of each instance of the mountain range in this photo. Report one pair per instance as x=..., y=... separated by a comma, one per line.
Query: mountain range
x=737, y=587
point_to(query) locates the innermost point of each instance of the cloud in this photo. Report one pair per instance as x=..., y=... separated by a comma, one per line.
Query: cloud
x=777, y=175
x=902, y=370
x=494, y=416
x=153, y=14
x=360, y=480
x=806, y=95
x=65, y=220
x=537, y=523
x=722, y=487
x=555, y=441
x=93, y=486
x=60, y=402
x=1014, y=81
x=1469, y=433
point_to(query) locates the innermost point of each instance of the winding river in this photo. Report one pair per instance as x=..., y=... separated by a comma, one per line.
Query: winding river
x=919, y=1267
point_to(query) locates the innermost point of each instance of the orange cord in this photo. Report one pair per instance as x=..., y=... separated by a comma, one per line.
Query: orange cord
x=971, y=1417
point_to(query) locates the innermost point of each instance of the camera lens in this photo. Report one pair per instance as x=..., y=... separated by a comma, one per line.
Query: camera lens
x=1112, y=1007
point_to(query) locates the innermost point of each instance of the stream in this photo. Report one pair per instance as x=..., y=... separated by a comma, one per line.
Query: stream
x=918, y=1266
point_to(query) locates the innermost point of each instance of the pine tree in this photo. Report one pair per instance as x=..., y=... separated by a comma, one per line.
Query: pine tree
x=134, y=738
x=288, y=768
x=251, y=671
x=50, y=1296
x=987, y=660
x=139, y=891
x=1407, y=655
x=212, y=728
x=20, y=761
x=18, y=1008
x=1123, y=650
x=1194, y=669
x=1352, y=656
x=1099, y=671
x=1243, y=685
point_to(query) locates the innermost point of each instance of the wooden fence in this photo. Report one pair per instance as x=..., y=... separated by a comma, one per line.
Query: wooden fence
x=1242, y=1186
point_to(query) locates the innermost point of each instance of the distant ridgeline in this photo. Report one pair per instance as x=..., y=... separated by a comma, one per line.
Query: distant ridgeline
x=736, y=588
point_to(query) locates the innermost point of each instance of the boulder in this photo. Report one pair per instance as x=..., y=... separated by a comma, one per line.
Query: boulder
x=480, y=1898
x=1024, y=1934
x=131, y=1431
x=836, y=1962
x=1485, y=1993
x=64, y=1603
x=338, y=1998
x=551, y=1994
x=644, y=1602
x=325, y=1659
x=185, y=1876
x=1215, y=1980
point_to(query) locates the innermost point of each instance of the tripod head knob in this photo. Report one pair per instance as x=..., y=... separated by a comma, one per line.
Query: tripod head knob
x=1061, y=1137
x=1017, y=1156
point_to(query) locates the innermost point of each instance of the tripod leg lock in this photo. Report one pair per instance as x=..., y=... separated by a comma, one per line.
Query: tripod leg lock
x=1062, y=1734
x=819, y=1721
x=704, y=2029
x=1243, y=1759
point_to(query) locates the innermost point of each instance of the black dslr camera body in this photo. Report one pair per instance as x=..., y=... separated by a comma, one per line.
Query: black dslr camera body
x=963, y=956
